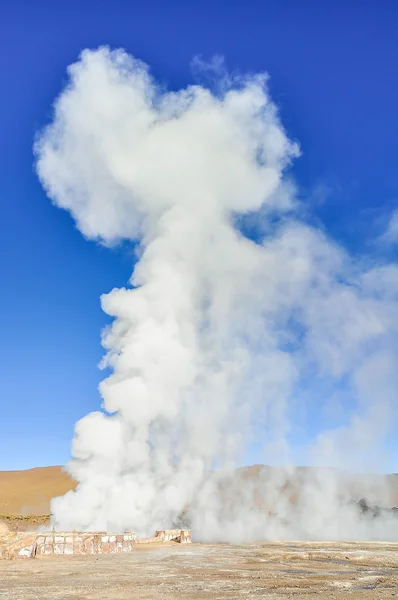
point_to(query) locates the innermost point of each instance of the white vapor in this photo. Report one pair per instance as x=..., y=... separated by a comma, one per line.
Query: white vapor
x=216, y=337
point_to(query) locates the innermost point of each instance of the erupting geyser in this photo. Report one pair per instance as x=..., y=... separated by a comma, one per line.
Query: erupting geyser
x=218, y=339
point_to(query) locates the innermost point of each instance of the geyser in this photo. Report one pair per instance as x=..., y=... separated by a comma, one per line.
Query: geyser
x=219, y=342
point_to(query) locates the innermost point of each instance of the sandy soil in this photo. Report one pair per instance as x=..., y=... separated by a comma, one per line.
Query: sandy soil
x=203, y=571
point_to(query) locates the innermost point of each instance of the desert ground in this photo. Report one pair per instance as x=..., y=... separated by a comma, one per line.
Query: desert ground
x=195, y=571
x=211, y=571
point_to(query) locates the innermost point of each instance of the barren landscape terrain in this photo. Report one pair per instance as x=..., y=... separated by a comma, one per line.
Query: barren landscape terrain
x=319, y=570
x=207, y=571
x=25, y=495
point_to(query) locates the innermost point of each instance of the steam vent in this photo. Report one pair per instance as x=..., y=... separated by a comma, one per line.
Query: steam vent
x=31, y=545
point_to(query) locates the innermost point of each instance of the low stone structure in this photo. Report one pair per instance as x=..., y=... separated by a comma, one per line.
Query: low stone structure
x=17, y=545
x=31, y=545
x=182, y=536
x=76, y=542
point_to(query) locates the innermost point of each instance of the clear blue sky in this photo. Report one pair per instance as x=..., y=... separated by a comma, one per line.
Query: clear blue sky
x=333, y=68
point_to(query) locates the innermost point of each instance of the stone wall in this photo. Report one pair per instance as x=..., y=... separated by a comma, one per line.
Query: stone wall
x=30, y=545
x=76, y=542
x=17, y=545
x=174, y=535
x=182, y=536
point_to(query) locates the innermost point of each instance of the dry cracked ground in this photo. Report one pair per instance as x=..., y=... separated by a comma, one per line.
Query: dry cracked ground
x=210, y=571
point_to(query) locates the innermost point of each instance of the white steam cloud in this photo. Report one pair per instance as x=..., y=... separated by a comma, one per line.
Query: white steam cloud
x=218, y=340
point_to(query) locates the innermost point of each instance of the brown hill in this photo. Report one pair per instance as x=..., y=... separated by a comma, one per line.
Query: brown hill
x=29, y=492
x=25, y=495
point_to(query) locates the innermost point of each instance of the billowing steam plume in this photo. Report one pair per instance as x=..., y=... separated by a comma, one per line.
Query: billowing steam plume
x=219, y=341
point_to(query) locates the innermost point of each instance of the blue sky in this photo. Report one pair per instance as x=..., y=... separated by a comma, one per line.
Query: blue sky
x=333, y=69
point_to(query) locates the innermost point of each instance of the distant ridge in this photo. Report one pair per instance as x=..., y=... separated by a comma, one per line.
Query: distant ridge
x=29, y=492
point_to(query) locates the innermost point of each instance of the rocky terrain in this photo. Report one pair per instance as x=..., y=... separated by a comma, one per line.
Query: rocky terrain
x=278, y=571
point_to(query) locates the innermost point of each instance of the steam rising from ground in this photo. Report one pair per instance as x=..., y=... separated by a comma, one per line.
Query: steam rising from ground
x=218, y=339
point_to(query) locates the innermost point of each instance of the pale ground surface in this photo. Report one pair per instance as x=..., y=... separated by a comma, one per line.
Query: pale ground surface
x=205, y=571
